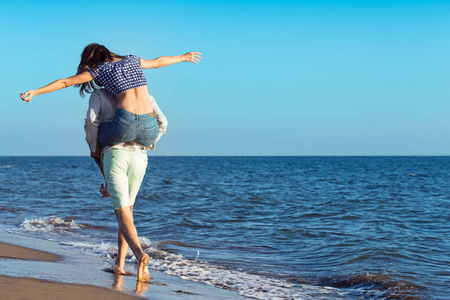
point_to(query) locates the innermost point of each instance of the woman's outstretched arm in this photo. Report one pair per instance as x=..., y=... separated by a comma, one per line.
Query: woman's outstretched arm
x=57, y=85
x=163, y=61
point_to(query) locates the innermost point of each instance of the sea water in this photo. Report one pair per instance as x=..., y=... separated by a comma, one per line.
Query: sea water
x=267, y=227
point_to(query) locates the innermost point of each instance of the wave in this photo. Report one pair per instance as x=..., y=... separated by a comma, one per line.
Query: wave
x=53, y=224
x=8, y=166
x=49, y=224
x=258, y=286
x=378, y=286
x=247, y=285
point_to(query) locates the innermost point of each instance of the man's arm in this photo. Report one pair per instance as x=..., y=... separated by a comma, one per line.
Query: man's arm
x=91, y=124
x=92, y=121
x=97, y=158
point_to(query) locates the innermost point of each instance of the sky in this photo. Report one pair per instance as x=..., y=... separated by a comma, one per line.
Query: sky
x=277, y=77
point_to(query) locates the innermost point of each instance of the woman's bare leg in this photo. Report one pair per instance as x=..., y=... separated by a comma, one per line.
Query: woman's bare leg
x=124, y=217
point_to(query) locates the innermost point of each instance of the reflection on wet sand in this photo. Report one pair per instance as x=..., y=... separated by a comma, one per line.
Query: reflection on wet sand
x=117, y=282
x=141, y=287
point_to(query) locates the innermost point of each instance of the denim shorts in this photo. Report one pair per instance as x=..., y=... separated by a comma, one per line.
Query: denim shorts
x=128, y=127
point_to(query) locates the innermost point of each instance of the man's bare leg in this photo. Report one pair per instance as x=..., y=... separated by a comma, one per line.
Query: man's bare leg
x=126, y=226
x=122, y=245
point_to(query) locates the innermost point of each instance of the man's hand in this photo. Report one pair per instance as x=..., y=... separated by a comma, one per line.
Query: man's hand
x=104, y=191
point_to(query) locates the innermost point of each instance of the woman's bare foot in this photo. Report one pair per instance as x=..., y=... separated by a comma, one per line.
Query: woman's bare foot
x=143, y=275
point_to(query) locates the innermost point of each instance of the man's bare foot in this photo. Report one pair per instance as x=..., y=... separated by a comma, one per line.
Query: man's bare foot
x=121, y=271
x=118, y=270
x=143, y=275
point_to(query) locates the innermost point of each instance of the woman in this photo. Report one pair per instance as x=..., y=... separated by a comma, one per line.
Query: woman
x=123, y=78
x=134, y=121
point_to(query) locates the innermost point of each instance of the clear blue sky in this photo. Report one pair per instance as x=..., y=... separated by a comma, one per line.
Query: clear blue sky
x=277, y=78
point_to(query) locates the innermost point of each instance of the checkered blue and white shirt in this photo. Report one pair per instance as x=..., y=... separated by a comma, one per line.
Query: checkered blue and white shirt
x=119, y=76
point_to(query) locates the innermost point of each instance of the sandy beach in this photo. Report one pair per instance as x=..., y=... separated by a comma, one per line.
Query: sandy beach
x=64, y=273
x=29, y=288
x=13, y=251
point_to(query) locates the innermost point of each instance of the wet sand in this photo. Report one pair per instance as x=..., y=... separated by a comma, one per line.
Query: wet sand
x=18, y=252
x=28, y=288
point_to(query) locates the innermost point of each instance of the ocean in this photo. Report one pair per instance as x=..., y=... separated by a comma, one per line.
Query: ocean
x=267, y=227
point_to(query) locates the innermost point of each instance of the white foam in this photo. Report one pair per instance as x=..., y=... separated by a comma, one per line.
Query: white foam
x=49, y=224
x=248, y=285
x=105, y=249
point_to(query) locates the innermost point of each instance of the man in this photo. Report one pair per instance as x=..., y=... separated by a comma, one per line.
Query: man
x=123, y=167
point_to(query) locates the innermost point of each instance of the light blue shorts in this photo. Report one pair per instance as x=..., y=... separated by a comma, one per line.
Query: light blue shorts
x=124, y=171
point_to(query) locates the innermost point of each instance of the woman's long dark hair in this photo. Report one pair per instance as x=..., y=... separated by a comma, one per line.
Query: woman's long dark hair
x=92, y=56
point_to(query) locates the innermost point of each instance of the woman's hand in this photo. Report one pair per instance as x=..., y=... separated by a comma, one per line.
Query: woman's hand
x=28, y=95
x=192, y=57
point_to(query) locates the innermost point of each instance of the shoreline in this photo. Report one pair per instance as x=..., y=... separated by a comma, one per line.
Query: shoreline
x=18, y=252
x=29, y=288
x=41, y=269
